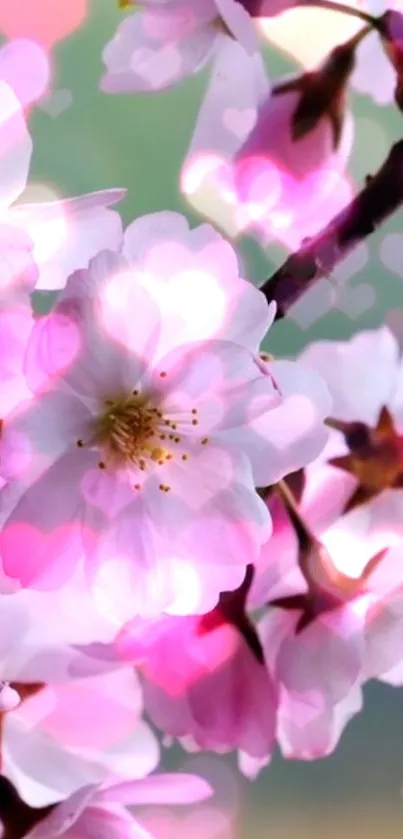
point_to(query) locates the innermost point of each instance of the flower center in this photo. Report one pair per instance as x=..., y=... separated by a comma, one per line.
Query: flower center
x=129, y=430
x=132, y=432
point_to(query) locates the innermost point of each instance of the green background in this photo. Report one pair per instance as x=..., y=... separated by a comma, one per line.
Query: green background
x=139, y=142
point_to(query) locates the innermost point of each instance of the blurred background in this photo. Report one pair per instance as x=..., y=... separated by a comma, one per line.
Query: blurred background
x=86, y=140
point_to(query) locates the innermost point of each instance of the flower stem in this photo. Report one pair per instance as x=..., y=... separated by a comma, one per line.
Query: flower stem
x=304, y=533
x=317, y=256
x=334, y=6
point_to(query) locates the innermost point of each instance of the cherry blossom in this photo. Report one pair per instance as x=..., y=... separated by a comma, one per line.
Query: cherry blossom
x=333, y=587
x=274, y=158
x=40, y=632
x=97, y=810
x=101, y=811
x=211, y=421
x=159, y=44
x=78, y=732
x=185, y=660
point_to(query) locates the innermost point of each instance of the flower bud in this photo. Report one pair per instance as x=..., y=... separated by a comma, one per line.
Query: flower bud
x=302, y=135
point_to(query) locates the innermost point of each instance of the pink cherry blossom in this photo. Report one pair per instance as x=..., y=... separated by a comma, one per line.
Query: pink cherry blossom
x=214, y=421
x=100, y=811
x=279, y=179
x=320, y=668
x=86, y=731
x=40, y=632
x=364, y=375
x=161, y=43
x=273, y=183
x=352, y=587
x=41, y=244
x=185, y=661
x=195, y=277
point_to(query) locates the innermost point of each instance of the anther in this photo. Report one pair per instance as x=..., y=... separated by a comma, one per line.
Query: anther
x=163, y=374
x=194, y=411
x=80, y=444
x=195, y=422
x=101, y=465
x=205, y=441
x=184, y=457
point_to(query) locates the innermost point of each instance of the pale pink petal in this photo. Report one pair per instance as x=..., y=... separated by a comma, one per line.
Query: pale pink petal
x=194, y=276
x=107, y=823
x=384, y=635
x=326, y=657
x=175, y=788
x=308, y=732
x=92, y=714
x=40, y=768
x=344, y=366
x=243, y=714
x=15, y=328
x=68, y=233
x=276, y=178
x=15, y=147
x=220, y=380
x=229, y=110
x=41, y=543
x=154, y=49
x=240, y=24
x=89, y=337
x=374, y=74
x=38, y=629
x=143, y=570
x=64, y=814
x=292, y=430
x=37, y=432
x=18, y=271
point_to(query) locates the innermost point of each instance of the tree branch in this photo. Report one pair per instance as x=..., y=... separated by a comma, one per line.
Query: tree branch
x=317, y=256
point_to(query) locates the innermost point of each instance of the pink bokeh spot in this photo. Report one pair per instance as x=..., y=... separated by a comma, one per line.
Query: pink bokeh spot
x=266, y=198
x=46, y=21
x=25, y=552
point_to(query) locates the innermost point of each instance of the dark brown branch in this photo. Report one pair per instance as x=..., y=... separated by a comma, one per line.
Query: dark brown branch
x=318, y=256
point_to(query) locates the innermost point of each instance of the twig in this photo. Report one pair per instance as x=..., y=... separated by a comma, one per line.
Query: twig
x=317, y=257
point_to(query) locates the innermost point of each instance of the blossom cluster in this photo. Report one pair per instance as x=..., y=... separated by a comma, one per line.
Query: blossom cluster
x=199, y=542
